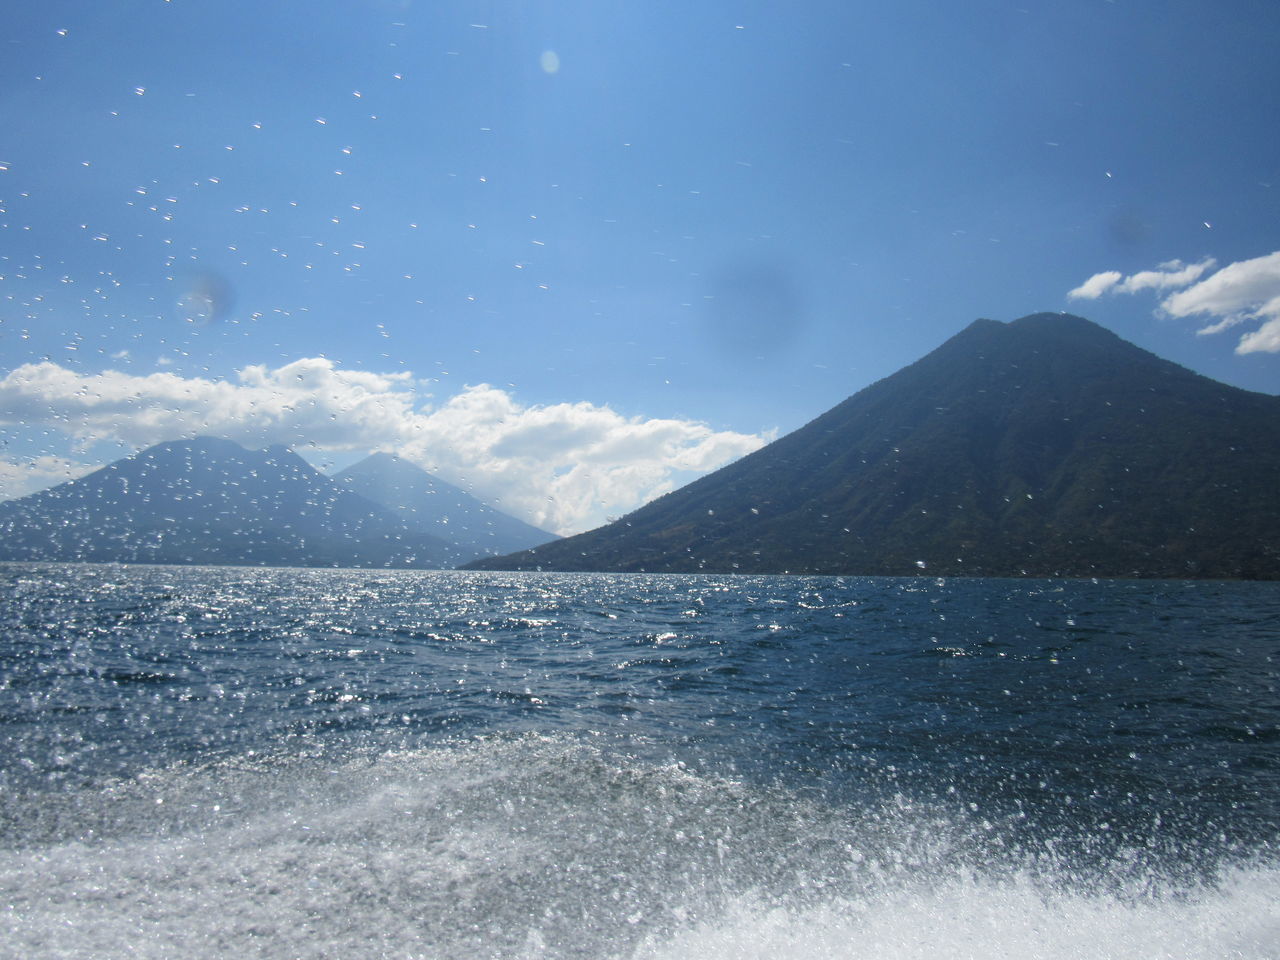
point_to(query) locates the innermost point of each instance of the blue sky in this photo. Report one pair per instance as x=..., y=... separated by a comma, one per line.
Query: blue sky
x=574, y=253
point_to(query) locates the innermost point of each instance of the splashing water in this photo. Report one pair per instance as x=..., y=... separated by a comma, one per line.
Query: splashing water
x=314, y=764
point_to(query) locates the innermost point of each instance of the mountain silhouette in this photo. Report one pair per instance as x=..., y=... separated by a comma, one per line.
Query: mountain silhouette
x=207, y=500
x=427, y=503
x=1044, y=447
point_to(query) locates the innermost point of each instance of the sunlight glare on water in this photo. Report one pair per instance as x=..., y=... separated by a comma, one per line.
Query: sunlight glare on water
x=310, y=764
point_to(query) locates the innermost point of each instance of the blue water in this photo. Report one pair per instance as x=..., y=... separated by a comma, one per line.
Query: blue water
x=201, y=762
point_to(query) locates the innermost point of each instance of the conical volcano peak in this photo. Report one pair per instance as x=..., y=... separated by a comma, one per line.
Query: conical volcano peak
x=200, y=446
x=1068, y=328
x=427, y=503
x=1059, y=322
x=209, y=500
x=1047, y=446
x=390, y=465
x=1058, y=329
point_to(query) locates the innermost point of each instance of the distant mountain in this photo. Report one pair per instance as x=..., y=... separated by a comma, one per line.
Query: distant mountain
x=431, y=505
x=212, y=501
x=1043, y=447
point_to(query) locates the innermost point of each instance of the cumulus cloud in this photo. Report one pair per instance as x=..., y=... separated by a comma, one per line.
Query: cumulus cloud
x=1167, y=276
x=1247, y=291
x=1266, y=339
x=564, y=467
x=18, y=478
x=309, y=400
x=1096, y=285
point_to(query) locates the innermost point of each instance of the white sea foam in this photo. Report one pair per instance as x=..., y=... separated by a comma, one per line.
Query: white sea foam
x=552, y=847
x=1010, y=919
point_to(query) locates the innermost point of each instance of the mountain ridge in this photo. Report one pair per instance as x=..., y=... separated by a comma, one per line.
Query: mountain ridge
x=209, y=500
x=1045, y=446
x=435, y=506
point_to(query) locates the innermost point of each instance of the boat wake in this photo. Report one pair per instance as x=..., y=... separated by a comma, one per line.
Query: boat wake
x=567, y=847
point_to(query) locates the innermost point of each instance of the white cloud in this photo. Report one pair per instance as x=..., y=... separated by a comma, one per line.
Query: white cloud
x=18, y=478
x=567, y=466
x=1096, y=285
x=1241, y=292
x=563, y=467
x=1169, y=275
x=1266, y=339
x=307, y=401
x=1224, y=324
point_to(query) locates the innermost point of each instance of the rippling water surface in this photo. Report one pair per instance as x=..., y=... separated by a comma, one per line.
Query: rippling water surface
x=276, y=763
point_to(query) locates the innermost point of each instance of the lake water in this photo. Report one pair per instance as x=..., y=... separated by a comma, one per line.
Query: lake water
x=281, y=763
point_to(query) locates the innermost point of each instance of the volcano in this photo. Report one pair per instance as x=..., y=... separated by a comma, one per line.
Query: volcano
x=1045, y=447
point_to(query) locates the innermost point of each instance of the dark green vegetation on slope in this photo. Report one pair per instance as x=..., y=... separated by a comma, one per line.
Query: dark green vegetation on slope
x=1043, y=447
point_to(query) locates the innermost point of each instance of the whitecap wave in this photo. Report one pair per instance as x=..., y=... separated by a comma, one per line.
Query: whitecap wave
x=1010, y=918
x=567, y=847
